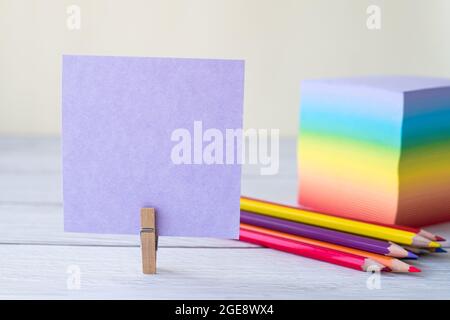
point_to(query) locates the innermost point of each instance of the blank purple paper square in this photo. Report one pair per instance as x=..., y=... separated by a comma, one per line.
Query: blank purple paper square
x=118, y=117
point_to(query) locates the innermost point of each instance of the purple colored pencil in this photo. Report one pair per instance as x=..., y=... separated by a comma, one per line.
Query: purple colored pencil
x=341, y=238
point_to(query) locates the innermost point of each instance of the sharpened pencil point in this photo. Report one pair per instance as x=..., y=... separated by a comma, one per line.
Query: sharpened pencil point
x=440, y=250
x=414, y=269
x=439, y=238
x=411, y=256
x=433, y=244
x=397, y=251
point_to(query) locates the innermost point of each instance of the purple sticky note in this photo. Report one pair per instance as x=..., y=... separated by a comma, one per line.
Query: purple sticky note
x=119, y=119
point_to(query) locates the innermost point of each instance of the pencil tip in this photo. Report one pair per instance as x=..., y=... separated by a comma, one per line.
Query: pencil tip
x=439, y=238
x=414, y=269
x=433, y=244
x=412, y=256
x=398, y=251
x=440, y=250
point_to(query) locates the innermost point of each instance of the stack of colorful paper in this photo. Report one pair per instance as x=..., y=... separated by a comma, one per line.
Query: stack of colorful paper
x=376, y=148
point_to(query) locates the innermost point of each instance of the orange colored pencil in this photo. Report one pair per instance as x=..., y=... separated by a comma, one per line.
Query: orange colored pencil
x=311, y=251
x=392, y=263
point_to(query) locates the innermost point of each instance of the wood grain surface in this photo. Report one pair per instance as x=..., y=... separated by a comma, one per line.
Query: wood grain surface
x=40, y=261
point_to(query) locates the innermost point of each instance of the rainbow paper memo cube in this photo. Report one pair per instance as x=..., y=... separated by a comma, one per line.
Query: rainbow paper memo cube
x=376, y=148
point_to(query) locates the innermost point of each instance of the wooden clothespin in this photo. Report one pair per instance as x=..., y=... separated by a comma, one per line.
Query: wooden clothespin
x=149, y=240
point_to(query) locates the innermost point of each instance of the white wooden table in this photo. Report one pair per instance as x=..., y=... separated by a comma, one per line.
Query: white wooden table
x=37, y=257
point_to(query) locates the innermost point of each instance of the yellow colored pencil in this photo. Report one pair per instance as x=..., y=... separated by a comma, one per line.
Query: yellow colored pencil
x=336, y=223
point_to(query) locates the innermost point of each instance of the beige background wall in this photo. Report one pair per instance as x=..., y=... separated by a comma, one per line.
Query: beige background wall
x=282, y=41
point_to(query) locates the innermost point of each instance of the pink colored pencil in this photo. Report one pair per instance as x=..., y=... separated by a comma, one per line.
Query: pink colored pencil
x=311, y=251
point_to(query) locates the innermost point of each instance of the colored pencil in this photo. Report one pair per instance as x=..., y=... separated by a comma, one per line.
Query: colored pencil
x=425, y=250
x=417, y=251
x=336, y=223
x=392, y=263
x=310, y=251
x=327, y=235
x=421, y=232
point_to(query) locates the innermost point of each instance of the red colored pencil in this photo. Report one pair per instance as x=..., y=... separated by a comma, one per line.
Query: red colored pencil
x=421, y=232
x=311, y=251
